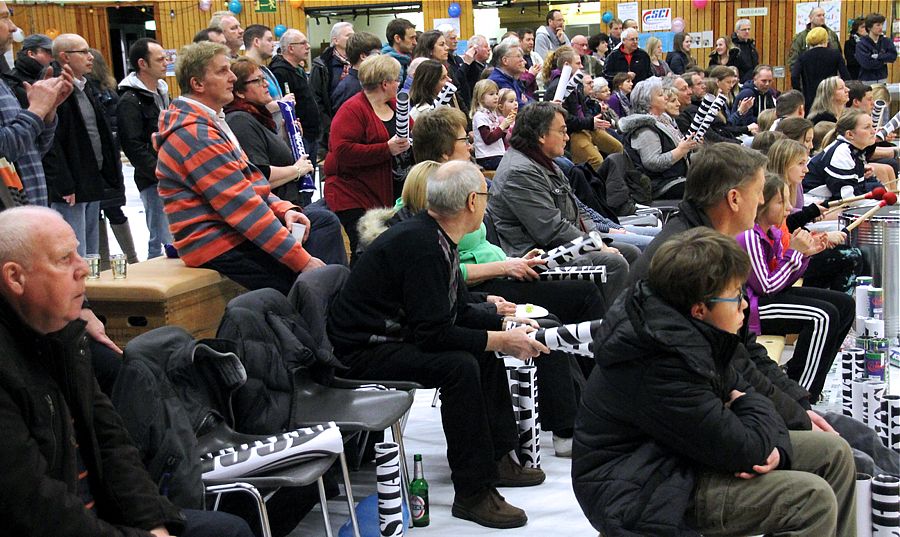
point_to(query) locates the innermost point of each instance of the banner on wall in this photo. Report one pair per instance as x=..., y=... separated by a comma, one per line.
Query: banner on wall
x=654, y=20
x=628, y=10
x=667, y=40
x=832, y=15
x=702, y=39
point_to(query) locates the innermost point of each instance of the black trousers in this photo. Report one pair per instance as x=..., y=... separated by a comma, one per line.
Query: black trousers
x=572, y=301
x=349, y=219
x=476, y=409
x=821, y=317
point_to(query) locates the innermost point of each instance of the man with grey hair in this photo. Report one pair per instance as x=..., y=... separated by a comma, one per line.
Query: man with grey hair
x=799, y=46
x=404, y=314
x=474, y=61
x=84, y=159
x=231, y=29
x=749, y=56
x=628, y=58
x=509, y=65
x=328, y=70
x=288, y=69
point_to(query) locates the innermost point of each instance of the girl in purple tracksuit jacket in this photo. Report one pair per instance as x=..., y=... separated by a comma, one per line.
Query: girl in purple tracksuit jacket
x=821, y=317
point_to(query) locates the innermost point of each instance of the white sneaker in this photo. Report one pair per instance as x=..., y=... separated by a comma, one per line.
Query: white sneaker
x=562, y=447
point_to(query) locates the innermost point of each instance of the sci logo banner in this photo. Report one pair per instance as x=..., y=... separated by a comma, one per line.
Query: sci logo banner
x=656, y=19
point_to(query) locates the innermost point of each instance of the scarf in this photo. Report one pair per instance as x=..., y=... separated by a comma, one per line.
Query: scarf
x=257, y=111
x=538, y=156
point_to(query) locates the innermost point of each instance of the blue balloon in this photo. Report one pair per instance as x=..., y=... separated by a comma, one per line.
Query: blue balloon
x=235, y=7
x=607, y=17
x=279, y=30
x=367, y=516
x=454, y=10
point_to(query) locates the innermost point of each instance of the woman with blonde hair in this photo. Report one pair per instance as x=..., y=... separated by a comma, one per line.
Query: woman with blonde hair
x=832, y=96
x=816, y=64
x=658, y=66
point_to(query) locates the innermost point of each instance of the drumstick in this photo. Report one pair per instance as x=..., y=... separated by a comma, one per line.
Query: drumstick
x=889, y=199
x=876, y=193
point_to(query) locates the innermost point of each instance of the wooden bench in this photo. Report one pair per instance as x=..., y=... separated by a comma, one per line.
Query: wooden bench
x=774, y=346
x=161, y=292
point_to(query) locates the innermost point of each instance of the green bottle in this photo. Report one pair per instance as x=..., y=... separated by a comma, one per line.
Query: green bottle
x=418, y=495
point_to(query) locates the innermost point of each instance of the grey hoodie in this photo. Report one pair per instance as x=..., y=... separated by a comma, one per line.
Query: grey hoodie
x=161, y=95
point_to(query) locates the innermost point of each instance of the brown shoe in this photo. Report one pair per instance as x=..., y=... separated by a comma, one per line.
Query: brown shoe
x=512, y=474
x=488, y=508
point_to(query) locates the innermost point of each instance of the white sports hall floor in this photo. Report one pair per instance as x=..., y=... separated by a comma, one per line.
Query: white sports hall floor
x=551, y=507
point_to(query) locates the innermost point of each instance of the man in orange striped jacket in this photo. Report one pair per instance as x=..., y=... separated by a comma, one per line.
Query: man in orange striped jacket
x=221, y=210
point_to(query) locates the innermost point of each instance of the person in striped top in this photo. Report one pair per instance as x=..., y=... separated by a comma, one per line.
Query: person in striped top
x=821, y=316
x=220, y=207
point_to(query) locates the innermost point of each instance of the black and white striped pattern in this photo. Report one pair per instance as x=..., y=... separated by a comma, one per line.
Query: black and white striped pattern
x=853, y=363
x=570, y=338
x=863, y=505
x=889, y=127
x=594, y=274
x=445, y=95
x=818, y=339
x=707, y=101
x=889, y=426
x=272, y=453
x=710, y=116
x=402, y=115
x=573, y=83
x=390, y=499
x=564, y=253
x=874, y=391
x=878, y=113
x=529, y=421
x=885, y=506
x=858, y=396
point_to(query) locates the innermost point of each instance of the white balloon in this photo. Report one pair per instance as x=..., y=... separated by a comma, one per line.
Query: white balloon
x=18, y=36
x=205, y=5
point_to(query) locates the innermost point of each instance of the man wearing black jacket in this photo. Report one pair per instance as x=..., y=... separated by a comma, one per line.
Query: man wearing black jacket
x=671, y=440
x=628, y=58
x=143, y=96
x=289, y=71
x=30, y=64
x=404, y=314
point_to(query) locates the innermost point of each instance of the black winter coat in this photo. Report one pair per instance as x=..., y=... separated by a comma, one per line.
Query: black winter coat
x=748, y=57
x=653, y=414
x=70, y=165
x=26, y=69
x=48, y=382
x=734, y=59
x=678, y=61
x=307, y=110
x=753, y=362
x=812, y=67
x=640, y=65
x=138, y=118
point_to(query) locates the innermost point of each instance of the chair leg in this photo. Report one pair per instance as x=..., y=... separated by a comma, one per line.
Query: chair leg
x=437, y=395
x=348, y=490
x=323, y=501
x=404, y=469
x=246, y=488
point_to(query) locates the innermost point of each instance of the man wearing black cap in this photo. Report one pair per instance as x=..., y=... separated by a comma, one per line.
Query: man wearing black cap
x=30, y=64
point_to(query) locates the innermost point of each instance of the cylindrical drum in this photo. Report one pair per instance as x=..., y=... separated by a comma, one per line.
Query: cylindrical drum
x=879, y=240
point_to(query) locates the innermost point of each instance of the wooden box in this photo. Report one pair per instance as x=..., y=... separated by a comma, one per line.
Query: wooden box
x=161, y=292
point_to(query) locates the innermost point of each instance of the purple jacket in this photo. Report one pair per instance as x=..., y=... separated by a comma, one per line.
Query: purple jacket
x=772, y=269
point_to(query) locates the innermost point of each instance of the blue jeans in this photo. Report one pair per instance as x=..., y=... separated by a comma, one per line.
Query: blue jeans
x=639, y=236
x=157, y=222
x=85, y=221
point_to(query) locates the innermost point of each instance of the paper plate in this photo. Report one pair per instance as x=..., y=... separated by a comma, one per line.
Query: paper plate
x=531, y=311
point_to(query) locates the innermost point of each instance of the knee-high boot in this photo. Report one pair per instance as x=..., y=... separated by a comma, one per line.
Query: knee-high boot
x=126, y=241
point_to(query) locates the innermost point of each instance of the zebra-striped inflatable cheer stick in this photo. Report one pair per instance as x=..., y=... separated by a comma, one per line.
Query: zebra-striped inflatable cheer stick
x=564, y=77
x=889, y=127
x=594, y=274
x=297, y=148
x=273, y=452
x=402, y=121
x=446, y=94
x=564, y=253
x=390, y=498
x=573, y=83
x=885, y=505
x=570, y=338
x=528, y=417
x=710, y=116
x=878, y=113
x=707, y=101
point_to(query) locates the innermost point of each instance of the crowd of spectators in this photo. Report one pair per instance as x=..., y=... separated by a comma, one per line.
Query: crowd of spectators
x=504, y=158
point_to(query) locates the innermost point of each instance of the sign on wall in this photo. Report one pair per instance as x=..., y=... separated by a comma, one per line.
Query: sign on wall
x=753, y=12
x=628, y=10
x=653, y=20
x=832, y=15
x=265, y=6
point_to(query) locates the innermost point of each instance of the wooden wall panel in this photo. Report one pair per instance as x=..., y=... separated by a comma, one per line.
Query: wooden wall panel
x=772, y=33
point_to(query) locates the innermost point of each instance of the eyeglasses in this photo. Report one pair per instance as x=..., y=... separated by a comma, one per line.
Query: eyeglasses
x=736, y=300
x=77, y=51
x=260, y=81
x=485, y=194
x=299, y=43
x=465, y=139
